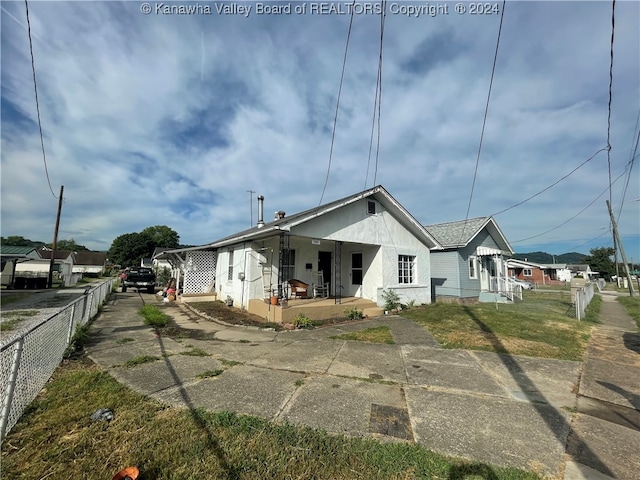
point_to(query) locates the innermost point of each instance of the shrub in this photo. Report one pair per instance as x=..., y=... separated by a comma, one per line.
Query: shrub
x=302, y=321
x=354, y=313
x=391, y=300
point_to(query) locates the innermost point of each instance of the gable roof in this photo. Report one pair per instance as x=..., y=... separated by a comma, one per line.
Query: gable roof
x=286, y=223
x=45, y=253
x=90, y=258
x=460, y=233
x=15, y=251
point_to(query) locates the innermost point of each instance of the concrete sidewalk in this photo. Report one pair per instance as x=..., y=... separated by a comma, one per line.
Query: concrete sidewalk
x=605, y=438
x=500, y=410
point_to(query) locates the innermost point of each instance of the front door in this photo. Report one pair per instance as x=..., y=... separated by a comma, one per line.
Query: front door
x=324, y=266
x=356, y=274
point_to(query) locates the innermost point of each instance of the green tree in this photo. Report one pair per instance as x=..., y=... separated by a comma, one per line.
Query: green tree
x=600, y=260
x=128, y=249
x=69, y=245
x=163, y=236
x=18, y=241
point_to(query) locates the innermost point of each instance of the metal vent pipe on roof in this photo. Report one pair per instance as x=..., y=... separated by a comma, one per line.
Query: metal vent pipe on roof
x=260, y=211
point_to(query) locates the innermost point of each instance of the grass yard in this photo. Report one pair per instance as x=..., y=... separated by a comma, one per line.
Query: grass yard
x=632, y=305
x=57, y=439
x=540, y=326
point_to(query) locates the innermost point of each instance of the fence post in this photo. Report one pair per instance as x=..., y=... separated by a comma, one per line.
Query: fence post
x=11, y=387
x=578, y=305
x=71, y=324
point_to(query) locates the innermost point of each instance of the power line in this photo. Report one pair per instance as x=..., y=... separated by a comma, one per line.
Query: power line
x=552, y=185
x=35, y=88
x=383, y=16
x=335, y=119
x=613, y=27
x=484, y=121
x=576, y=215
x=634, y=149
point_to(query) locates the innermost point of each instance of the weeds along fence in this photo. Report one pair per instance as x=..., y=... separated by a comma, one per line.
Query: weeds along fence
x=28, y=360
x=583, y=297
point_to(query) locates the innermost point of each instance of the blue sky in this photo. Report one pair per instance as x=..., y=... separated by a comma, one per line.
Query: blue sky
x=170, y=119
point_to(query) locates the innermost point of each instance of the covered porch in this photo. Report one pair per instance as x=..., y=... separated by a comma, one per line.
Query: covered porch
x=494, y=284
x=313, y=308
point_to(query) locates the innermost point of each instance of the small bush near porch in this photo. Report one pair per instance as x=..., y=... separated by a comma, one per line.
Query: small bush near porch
x=540, y=326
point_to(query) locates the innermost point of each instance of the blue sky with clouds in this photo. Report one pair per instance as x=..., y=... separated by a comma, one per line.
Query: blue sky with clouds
x=162, y=119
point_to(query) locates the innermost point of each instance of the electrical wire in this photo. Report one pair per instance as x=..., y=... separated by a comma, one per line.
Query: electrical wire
x=383, y=16
x=335, y=118
x=576, y=215
x=484, y=121
x=630, y=165
x=35, y=88
x=552, y=185
x=613, y=28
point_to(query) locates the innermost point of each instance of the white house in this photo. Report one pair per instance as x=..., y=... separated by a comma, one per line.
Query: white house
x=357, y=246
x=90, y=263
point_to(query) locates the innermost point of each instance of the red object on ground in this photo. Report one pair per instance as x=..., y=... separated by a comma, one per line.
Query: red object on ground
x=131, y=472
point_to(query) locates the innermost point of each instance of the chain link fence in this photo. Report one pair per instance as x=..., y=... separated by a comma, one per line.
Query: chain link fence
x=28, y=360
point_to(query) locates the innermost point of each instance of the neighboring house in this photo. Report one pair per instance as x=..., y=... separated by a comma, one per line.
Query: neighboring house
x=359, y=245
x=91, y=264
x=583, y=271
x=539, y=273
x=160, y=261
x=471, y=266
x=64, y=261
x=10, y=257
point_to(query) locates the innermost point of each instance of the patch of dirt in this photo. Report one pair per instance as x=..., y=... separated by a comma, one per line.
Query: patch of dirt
x=231, y=315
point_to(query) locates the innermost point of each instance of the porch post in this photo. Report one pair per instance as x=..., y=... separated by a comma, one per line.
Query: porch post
x=337, y=272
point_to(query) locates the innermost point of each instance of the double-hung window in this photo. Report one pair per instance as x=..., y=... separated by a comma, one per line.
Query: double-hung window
x=473, y=267
x=406, y=268
x=230, y=270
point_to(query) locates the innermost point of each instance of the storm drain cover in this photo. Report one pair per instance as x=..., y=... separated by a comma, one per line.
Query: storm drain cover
x=390, y=421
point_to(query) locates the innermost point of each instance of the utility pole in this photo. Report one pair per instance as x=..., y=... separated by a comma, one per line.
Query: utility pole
x=251, y=192
x=619, y=242
x=55, y=239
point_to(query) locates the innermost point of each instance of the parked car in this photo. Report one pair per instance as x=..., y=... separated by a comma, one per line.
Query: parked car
x=523, y=283
x=140, y=278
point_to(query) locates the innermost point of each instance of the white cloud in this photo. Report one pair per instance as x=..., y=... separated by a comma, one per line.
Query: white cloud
x=159, y=119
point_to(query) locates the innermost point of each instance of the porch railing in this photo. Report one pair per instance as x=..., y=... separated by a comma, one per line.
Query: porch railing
x=502, y=286
x=28, y=359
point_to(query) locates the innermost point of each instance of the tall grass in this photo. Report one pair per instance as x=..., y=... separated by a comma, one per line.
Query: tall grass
x=154, y=316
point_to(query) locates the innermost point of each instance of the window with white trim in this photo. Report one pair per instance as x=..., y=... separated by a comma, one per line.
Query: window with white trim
x=406, y=268
x=527, y=272
x=230, y=269
x=473, y=267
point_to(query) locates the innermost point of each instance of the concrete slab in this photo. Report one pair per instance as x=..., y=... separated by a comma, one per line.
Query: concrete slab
x=243, y=389
x=451, y=369
x=339, y=405
x=244, y=334
x=150, y=378
x=577, y=471
x=611, y=382
x=606, y=447
x=533, y=379
x=119, y=354
x=369, y=361
x=614, y=346
x=408, y=332
x=302, y=356
x=487, y=429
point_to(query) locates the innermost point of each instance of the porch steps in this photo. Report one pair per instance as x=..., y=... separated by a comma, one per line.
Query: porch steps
x=492, y=297
x=198, y=297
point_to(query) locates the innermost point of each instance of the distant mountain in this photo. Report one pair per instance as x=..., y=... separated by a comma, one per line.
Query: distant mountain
x=570, y=258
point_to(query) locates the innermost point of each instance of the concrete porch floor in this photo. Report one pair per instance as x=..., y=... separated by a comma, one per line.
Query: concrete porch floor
x=313, y=308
